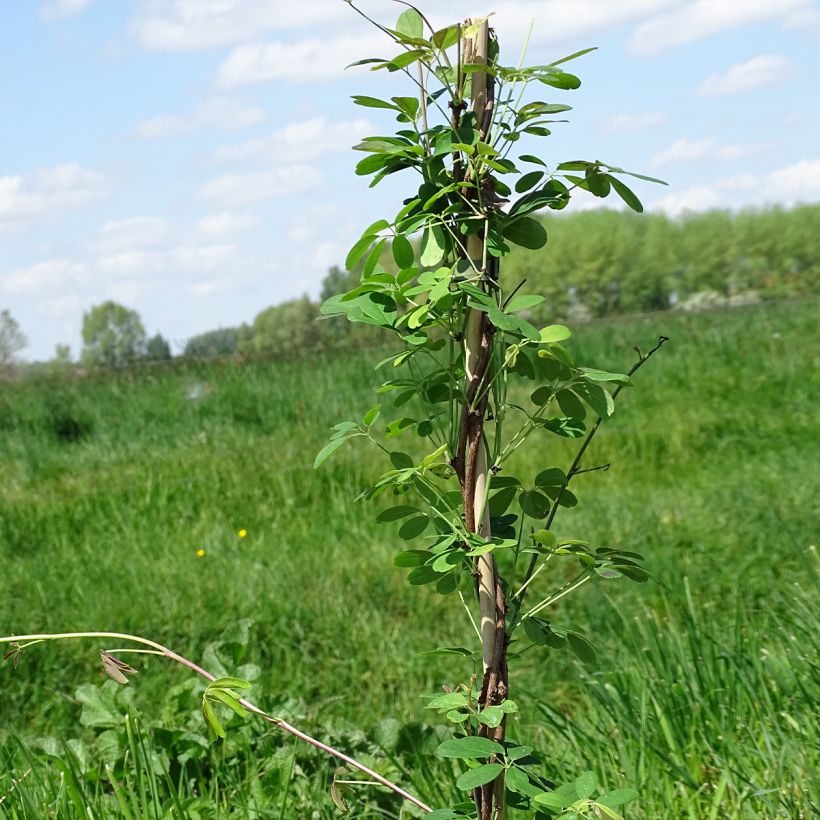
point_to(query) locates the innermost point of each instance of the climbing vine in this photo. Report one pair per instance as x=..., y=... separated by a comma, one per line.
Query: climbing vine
x=473, y=378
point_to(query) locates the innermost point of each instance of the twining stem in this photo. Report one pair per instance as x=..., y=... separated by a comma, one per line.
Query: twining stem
x=251, y=707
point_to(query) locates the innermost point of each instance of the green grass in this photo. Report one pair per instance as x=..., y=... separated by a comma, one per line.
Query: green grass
x=705, y=690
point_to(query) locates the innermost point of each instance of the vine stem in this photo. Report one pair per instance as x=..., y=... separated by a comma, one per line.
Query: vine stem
x=251, y=707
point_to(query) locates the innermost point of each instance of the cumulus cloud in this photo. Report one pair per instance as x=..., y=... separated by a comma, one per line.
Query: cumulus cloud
x=60, y=188
x=763, y=71
x=633, y=122
x=226, y=223
x=177, y=259
x=136, y=231
x=43, y=276
x=209, y=287
x=796, y=183
x=805, y=20
x=299, y=141
x=686, y=150
x=304, y=61
x=185, y=25
x=54, y=10
x=188, y=25
x=220, y=113
x=694, y=21
x=232, y=190
x=60, y=306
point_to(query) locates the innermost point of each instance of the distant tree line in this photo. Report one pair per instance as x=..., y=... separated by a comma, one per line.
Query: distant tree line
x=596, y=263
x=622, y=262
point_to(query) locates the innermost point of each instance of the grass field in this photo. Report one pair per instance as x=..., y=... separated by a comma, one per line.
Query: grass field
x=704, y=696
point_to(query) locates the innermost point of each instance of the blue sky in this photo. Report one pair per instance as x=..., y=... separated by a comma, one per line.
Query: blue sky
x=191, y=158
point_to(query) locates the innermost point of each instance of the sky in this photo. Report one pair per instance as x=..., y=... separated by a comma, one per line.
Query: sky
x=191, y=159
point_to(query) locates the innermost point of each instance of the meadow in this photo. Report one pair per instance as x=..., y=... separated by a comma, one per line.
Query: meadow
x=121, y=504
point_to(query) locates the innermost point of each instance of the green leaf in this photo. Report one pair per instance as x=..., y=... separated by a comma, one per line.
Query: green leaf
x=527, y=181
x=215, y=729
x=327, y=451
x=574, y=56
x=491, y=716
x=410, y=24
x=433, y=246
x=359, y=250
x=402, y=252
x=373, y=102
x=526, y=232
x=534, y=503
x=408, y=105
x=583, y=648
x=395, y=513
x=585, y=784
x=551, y=800
x=617, y=797
x=551, y=477
x=411, y=558
x=469, y=747
x=423, y=575
x=371, y=415
x=229, y=683
x=554, y=333
x=231, y=701
x=473, y=778
x=570, y=404
x=626, y=194
x=517, y=780
x=604, y=376
x=523, y=301
x=449, y=700
x=401, y=461
x=413, y=527
x=446, y=37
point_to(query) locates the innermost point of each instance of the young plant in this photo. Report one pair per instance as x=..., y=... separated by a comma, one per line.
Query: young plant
x=482, y=380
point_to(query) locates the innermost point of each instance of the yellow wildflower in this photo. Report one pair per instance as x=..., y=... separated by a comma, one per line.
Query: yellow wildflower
x=200, y=553
x=242, y=533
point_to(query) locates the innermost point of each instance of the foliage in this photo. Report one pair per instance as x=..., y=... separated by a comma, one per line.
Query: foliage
x=220, y=342
x=728, y=695
x=12, y=340
x=113, y=336
x=157, y=349
x=479, y=380
x=617, y=262
x=282, y=330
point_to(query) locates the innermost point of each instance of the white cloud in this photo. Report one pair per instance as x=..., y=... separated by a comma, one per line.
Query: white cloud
x=53, y=10
x=633, y=122
x=60, y=306
x=219, y=113
x=686, y=150
x=763, y=71
x=231, y=190
x=136, y=231
x=43, y=276
x=60, y=188
x=805, y=20
x=226, y=223
x=304, y=61
x=788, y=186
x=208, y=287
x=702, y=18
x=187, y=25
x=179, y=259
x=299, y=141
